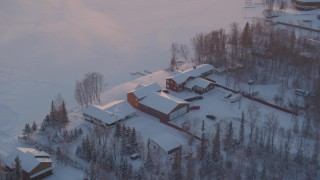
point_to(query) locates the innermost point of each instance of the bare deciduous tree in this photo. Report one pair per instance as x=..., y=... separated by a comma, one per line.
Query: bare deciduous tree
x=89, y=89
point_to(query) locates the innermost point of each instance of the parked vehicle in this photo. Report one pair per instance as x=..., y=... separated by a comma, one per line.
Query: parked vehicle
x=193, y=98
x=134, y=156
x=301, y=92
x=165, y=91
x=228, y=95
x=194, y=107
x=210, y=116
x=235, y=98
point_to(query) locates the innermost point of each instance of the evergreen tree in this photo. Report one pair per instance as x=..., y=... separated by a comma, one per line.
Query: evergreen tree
x=110, y=162
x=123, y=169
x=44, y=124
x=52, y=116
x=133, y=141
x=295, y=125
x=246, y=37
x=263, y=175
x=216, y=154
x=299, y=155
x=206, y=165
x=64, y=113
x=190, y=174
x=139, y=174
x=59, y=155
x=315, y=154
x=228, y=138
x=149, y=162
x=241, y=131
x=202, y=147
x=176, y=169
x=306, y=127
x=93, y=171
x=34, y=127
x=17, y=168
x=26, y=130
x=118, y=130
x=124, y=147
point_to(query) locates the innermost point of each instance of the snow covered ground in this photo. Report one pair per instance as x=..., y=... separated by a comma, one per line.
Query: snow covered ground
x=46, y=45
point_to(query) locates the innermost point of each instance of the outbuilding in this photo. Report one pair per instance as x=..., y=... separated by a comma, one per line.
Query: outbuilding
x=110, y=113
x=165, y=144
x=199, y=85
x=34, y=164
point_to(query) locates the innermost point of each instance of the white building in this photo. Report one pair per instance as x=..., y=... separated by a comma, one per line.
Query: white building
x=166, y=144
x=110, y=113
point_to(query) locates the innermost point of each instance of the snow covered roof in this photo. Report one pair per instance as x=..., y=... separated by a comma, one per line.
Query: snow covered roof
x=198, y=70
x=198, y=82
x=110, y=112
x=309, y=1
x=167, y=141
x=30, y=158
x=142, y=91
x=162, y=102
x=180, y=78
x=34, y=152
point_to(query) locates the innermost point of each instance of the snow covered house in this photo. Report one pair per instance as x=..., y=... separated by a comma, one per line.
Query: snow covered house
x=34, y=164
x=165, y=144
x=178, y=82
x=199, y=85
x=149, y=99
x=110, y=113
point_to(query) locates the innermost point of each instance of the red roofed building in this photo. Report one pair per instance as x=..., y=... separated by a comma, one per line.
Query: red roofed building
x=149, y=99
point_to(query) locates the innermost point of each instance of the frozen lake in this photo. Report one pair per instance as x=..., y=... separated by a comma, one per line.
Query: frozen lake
x=45, y=46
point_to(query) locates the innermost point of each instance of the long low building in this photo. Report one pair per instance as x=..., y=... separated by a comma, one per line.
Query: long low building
x=110, y=113
x=306, y=4
x=150, y=99
x=34, y=164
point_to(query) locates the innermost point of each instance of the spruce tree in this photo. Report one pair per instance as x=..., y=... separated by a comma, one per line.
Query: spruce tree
x=59, y=155
x=176, y=169
x=118, y=130
x=53, y=115
x=241, y=131
x=64, y=114
x=133, y=141
x=228, y=138
x=17, y=168
x=216, y=154
x=315, y=154
x=202, y=147
x=26, y=130
x=149, y=162
x=34, y=127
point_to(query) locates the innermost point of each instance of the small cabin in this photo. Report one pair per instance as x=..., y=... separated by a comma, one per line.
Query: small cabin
x=34, y=164
x=165, y=144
